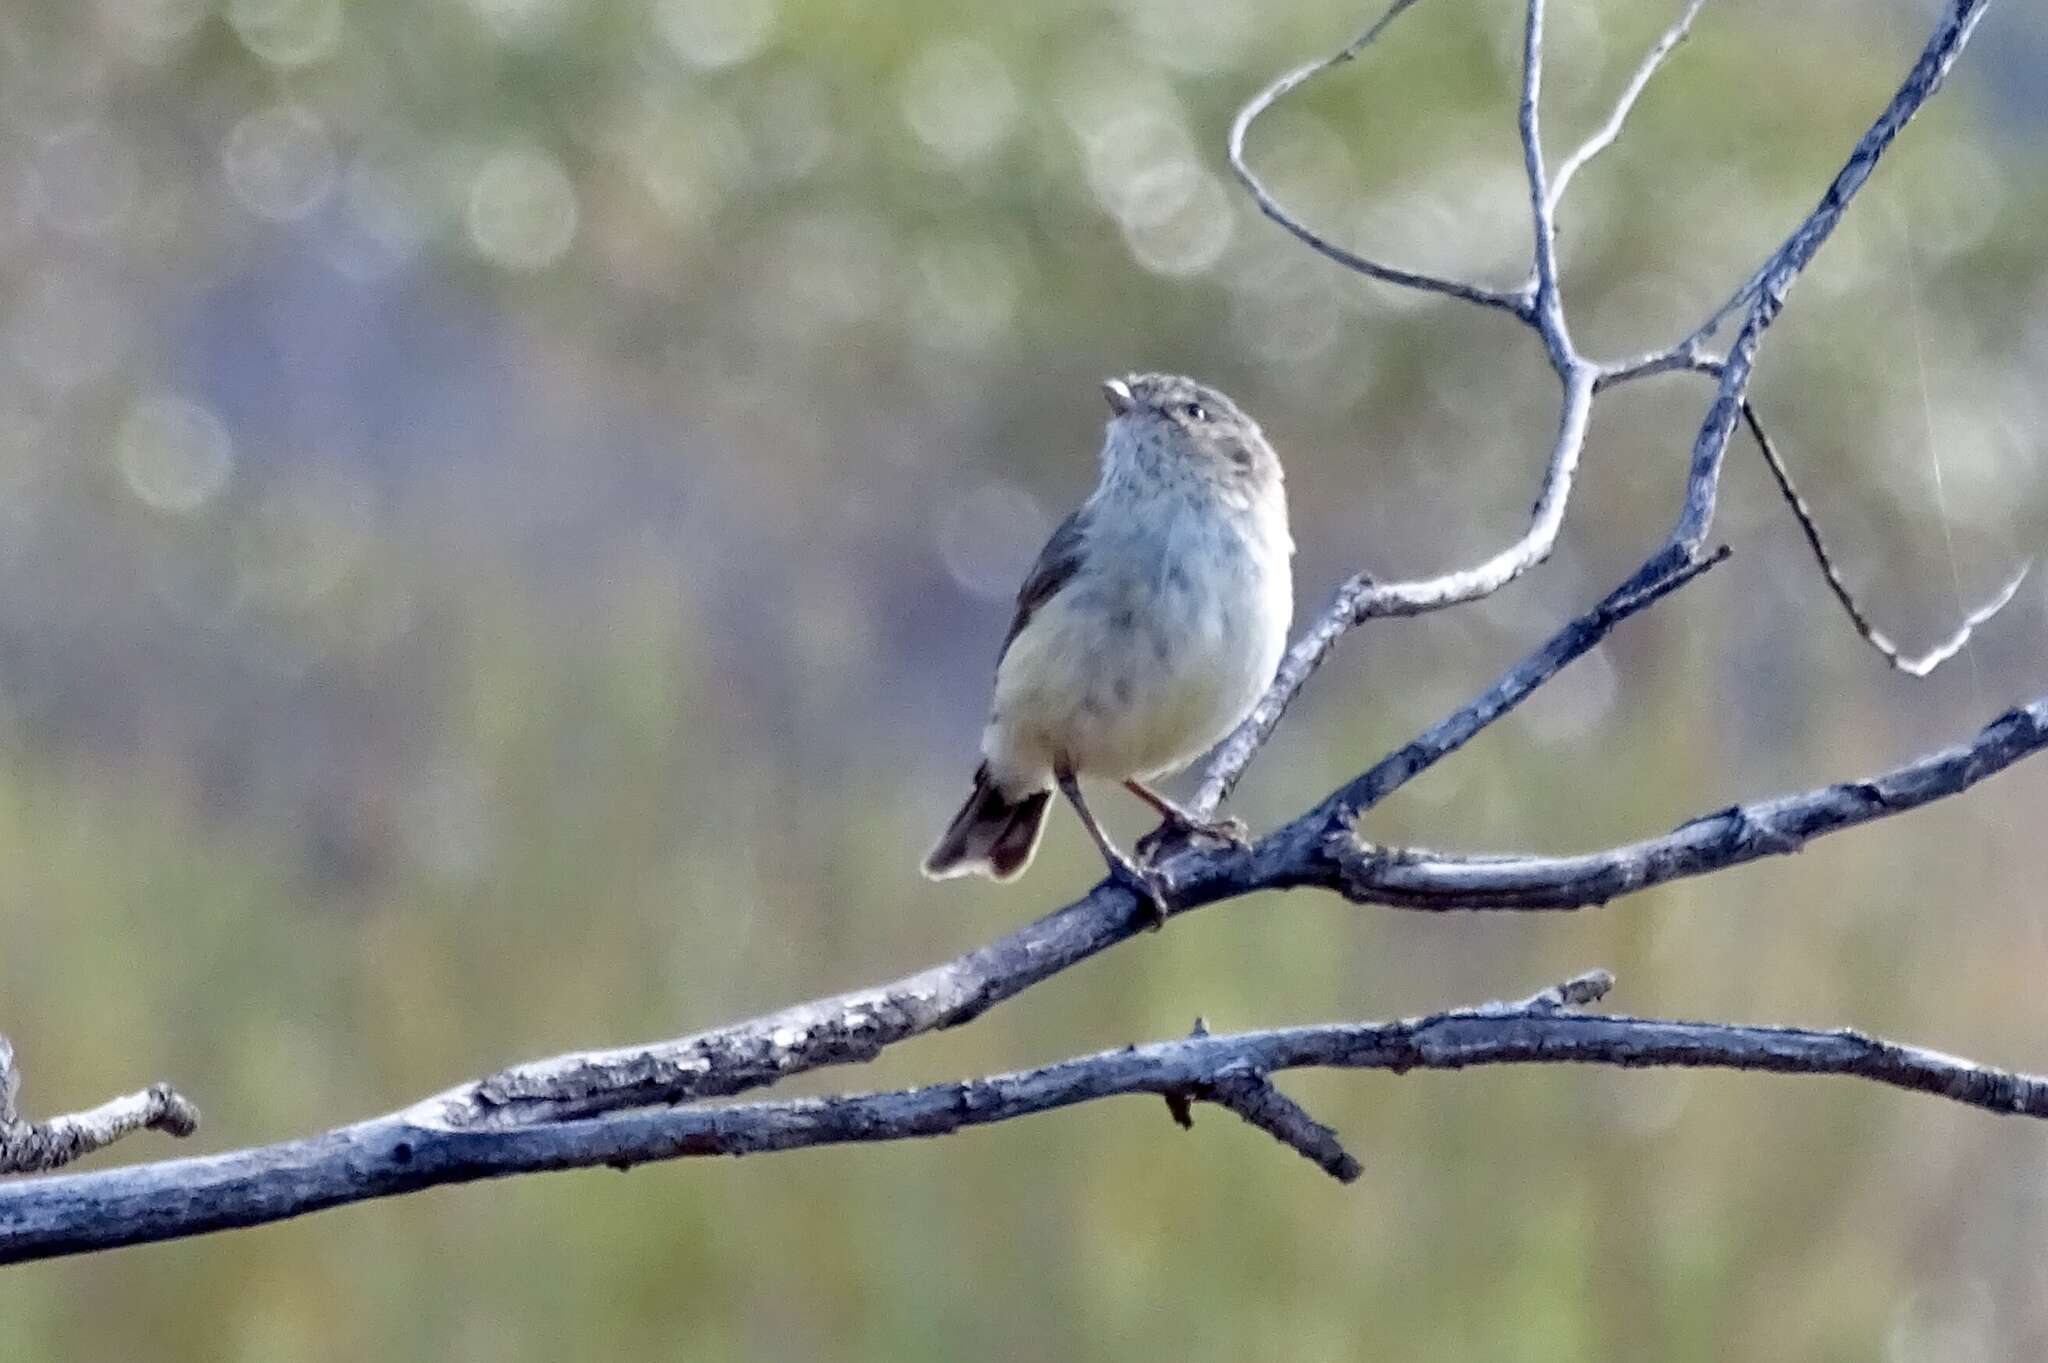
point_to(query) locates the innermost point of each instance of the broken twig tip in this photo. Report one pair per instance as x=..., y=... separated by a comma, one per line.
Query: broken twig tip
x=172, y=1112
x=1589, y=987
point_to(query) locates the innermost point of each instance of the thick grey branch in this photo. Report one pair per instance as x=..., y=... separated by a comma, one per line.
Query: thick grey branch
x=1663, y=575
x=68, y=1214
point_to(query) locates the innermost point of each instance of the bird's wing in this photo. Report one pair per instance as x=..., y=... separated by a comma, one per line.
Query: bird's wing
x=1056, y=565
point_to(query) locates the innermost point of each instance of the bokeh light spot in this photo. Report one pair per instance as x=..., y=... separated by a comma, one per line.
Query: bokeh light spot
x=709, y=34
x=173, y=453
x=963, y=294
x=988, y=537
x=150, y=29
x=1189, y=240
x=959, y=100
x=789, y=124
x=1142, y=167
x=1195, y=37
x=687, y=158
x=287, y=32
x=85, y=178
x=69, y=330
x=522, y=209
x=523, y=22
x=279, y=162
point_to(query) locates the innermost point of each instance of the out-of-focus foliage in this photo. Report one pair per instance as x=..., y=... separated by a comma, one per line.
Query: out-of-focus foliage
x=505, y=510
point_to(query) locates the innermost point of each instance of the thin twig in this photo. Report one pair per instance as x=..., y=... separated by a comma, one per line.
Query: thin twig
x=1604, y=137
x=1918, y=665
x=1255, y=1098
x=1765, y=295
x=1710, y=443
x=36, y=1147
x=1549, y=306
x=1517, y=303
x=1664, y=575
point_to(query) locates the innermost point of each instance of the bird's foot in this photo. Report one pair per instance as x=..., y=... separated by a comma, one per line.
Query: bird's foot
x=1180, y=829
x=1154, y=895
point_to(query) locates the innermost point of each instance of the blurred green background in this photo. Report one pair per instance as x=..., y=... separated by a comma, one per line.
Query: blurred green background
x=507, y=507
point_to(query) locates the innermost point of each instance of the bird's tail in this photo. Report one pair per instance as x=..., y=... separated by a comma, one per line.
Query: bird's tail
x=992, y=835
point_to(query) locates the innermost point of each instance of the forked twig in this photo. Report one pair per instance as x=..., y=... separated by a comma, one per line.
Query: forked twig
x=1539, y=306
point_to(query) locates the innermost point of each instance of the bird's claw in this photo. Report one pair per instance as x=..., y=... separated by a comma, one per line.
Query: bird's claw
x=1177, y=832
x=1151, y=889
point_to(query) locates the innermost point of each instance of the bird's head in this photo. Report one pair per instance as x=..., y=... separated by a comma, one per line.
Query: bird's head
x=1167, y=427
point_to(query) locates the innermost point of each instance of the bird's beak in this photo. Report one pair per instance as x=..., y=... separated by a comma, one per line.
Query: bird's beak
x=1119, y=394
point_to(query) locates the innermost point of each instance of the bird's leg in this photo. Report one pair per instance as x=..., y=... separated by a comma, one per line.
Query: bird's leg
x=1148, y=885
x=1181, y=824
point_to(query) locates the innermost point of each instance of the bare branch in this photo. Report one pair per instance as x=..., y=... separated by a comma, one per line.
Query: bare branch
x=1361, y=598
x=1252, y=1096
x=1913, y=666
x=1605, y=136
x=1411, y=878
x=1518, y=304
x=35, y=1147
x=69, y=1214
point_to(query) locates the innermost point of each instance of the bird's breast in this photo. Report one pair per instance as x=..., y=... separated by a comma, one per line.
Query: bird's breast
x=1151, y=655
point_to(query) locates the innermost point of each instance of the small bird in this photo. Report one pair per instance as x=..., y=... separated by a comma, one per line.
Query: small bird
x=1151, y=624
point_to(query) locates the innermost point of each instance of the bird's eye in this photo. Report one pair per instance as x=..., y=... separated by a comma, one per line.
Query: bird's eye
x=1193, y=411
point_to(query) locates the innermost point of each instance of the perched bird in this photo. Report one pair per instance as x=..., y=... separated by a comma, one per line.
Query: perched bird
x=1152, y=622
